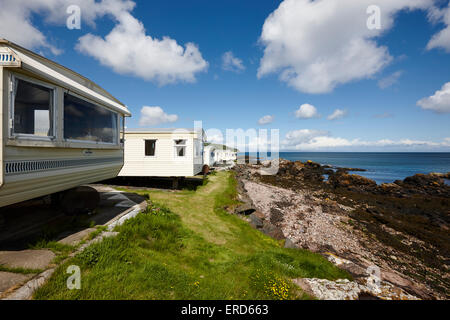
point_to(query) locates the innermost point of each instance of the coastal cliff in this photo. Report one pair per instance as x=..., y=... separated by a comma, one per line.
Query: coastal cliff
x=400, y=229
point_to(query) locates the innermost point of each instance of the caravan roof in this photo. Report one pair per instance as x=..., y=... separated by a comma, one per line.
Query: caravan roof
x=63, y=76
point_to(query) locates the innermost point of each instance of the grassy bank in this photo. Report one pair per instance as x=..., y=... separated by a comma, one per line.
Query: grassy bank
x=188, y=247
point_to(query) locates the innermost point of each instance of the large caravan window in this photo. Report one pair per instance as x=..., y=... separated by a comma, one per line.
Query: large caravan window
x=180, y=148
x=33, y=108
x=150, y=147
x=86, y=121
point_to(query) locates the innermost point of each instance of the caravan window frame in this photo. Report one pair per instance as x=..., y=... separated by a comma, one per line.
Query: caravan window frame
x=184, y=145
x=52, y=109
x=90, y=142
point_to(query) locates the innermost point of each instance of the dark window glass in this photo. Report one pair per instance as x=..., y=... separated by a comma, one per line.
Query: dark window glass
x=32, y=109
x=150, y=147
x=122, y=128
x=86, y=121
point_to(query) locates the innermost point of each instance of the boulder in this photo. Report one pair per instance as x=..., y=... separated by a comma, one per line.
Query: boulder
x=245, y=209
x=352, y=182
x=272, y=231
x=289, y=244
x=256, y=221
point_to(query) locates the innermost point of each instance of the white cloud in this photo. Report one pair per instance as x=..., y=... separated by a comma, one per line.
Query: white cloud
x=306, y=111
x=128, y=50
x=317, y=45
x=442, y=38
x=232, y=63
x=390, y=80
x=266, y=120
x=298, y=137
x=152, y=116
x=16, y=18
x=439, y=102
x=307, y=139
x=337, y=114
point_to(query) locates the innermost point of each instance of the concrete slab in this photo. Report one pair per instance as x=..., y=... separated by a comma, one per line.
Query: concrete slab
x=27, y=259
x=76, y=238
x=125, y=204
x=9, y=280
x=116, y=196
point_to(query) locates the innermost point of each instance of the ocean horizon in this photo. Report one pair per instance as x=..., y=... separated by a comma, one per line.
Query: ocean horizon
x=383, y=167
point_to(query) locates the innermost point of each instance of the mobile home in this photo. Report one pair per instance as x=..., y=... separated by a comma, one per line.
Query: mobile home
x=219, y=154
x=209, y=155
x=58, y=130
x=163, y=152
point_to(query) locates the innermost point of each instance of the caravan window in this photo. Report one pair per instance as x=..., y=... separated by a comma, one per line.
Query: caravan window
x=122, y=129
x=33, y=109
x=150, y=148
x=180, y=148
x=86, y=121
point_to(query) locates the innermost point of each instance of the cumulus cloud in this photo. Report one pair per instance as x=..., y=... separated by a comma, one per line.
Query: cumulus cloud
x=127, y=49
x=306, y=139
x=306, y=111
x=442, y=38
x=232, y=63
x=152, y=116
x=299, y=137
x=337, y=114
x=296, y=48
x=390, y=80
x=266, y=120
x=16, y=18
x=439, y=102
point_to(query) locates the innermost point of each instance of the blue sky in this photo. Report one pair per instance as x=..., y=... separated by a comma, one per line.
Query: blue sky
x=378, y=100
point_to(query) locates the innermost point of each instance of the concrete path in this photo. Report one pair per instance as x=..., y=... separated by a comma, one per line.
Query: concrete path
x=26, y=259
x=114, y=208
x=8, y=280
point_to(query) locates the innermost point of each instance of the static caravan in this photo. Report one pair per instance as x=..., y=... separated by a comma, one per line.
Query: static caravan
x=209, y=155
x=58, y=130
x=163, y=152
x=220, y=154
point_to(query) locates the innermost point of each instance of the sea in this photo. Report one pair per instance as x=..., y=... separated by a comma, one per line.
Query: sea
x=383, y=167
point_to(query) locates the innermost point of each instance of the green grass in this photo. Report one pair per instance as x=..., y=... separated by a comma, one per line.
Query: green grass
x=19, y=270
x=186, y=246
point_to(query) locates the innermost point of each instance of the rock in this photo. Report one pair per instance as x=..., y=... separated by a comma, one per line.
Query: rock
x=352, y=182
x=406, y=284
x=421, y=180
x=255, y=221
x=289, y=244
x=266, y=163
x=344, y=289
x=273, y=231
x=245, y=209
x=426, y=184
x=330, y=290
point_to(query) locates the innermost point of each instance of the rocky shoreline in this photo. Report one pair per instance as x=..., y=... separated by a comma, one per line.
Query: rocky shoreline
x=400, y=230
